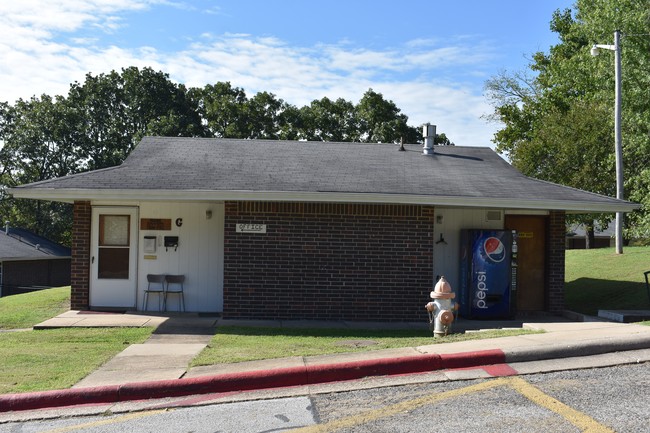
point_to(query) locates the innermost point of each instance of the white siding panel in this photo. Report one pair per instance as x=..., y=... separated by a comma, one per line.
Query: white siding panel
x=199, y=255
x=446, y=255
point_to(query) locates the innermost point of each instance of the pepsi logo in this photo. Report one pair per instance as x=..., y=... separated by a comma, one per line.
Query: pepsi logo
x=494, y=249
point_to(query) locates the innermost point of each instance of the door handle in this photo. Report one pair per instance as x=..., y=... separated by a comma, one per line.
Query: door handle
x=92, y=260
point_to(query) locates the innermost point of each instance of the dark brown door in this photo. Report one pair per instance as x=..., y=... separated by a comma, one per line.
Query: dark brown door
x=531, y=260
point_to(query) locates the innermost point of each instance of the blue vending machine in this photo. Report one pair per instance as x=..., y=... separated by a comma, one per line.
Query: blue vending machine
x=488, y=274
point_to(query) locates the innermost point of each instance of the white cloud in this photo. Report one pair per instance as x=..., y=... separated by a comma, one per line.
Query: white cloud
x=455, y=110
x=359, y=59
x=65, y=15
x=416, y=76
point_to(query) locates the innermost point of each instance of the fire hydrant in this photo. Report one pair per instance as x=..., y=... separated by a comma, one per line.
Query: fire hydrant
x=441, y=310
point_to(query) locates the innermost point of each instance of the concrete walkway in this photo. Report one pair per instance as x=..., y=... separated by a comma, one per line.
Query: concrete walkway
x=96, y=319
x=164, y=356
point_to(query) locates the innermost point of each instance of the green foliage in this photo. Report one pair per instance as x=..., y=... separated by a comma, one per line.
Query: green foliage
x=29, y=309
x=382, y=122
x=558, y=120
x=223, y=107
x=114, y=111
x=229, y=113
x=96, y=126
x=327, y=120
x=38, y=145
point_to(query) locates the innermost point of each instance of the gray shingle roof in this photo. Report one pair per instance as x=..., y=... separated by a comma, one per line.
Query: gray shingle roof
x=21, y=244
x=220, y=169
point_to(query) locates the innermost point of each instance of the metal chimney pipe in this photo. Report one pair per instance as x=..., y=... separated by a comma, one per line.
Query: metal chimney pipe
x=6, y=227
x=429, y=134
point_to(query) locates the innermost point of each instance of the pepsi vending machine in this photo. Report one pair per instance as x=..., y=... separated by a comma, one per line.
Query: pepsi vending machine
x=488, y=274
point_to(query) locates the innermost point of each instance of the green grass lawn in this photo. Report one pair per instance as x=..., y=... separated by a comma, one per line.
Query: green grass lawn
x=600, y=279
x=59, y=358
x=55, y=358
x=237, y=344
x=25, y=311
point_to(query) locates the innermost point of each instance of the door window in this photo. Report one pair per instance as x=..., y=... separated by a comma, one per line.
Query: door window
x=114, y=247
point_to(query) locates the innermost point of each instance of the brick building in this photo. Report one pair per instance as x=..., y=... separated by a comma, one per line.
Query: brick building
x=31, y=262
x=303, y=230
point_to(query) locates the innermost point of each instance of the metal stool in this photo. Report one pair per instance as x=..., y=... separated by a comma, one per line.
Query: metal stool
x=156, y=280
x=177, y=280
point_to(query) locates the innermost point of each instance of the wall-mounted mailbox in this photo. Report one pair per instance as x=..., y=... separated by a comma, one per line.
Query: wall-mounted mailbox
x=171, y=242
x=149, y=244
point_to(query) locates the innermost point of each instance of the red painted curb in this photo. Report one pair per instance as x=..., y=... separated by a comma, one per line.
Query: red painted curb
x=473, y=359
x=244, y=381
x=250, y=380
x=57, y=398
x=373, y=367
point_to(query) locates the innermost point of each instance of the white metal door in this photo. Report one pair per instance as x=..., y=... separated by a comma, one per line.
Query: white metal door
x=114, y=253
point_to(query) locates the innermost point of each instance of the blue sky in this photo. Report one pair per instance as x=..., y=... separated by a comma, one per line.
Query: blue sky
x=430, y=57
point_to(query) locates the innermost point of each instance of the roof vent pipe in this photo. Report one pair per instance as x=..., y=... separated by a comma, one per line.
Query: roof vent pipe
x=6, y=227
x=429, y=134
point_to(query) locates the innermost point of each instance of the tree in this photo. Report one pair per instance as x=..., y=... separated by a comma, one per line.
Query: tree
x=265, y=116
x=223, y=109
x=156, y=105
x=96, y=126
x=381, y=121
x=229, y=113
x=114, y=111
x=327, y=120
x=99, y=104
x=39, y=144
x=442, y=139
x=558, y=117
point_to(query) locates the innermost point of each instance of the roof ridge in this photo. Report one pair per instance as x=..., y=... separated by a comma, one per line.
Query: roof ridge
x=299, y=142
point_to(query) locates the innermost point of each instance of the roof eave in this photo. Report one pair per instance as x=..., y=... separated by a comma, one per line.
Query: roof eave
x=72, y=195
x=34, y=259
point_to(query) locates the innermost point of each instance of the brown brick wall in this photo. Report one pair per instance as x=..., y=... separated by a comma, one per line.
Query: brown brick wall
x=80, y=268
x=328, y=261
x=555, y=262
x=44, y=273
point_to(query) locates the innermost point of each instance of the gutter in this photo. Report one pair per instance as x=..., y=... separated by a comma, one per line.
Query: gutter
x=121, y=195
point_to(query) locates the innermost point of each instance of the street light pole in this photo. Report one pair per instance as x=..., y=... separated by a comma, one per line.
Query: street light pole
x=618, y=144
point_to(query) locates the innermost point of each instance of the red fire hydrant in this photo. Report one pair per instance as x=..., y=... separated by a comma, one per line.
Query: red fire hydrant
x=441, y=310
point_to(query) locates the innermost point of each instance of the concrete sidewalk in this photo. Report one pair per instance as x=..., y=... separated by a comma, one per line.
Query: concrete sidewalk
x=158, y=368
x=165, y=355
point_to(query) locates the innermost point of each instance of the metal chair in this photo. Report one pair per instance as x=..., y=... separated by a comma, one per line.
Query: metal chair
x=155, y=285
x=177, y=280
x=647, y=283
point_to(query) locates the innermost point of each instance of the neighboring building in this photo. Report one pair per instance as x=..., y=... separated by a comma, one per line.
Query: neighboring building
x=306, y=230
x=575, y=238
x=30, y=262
